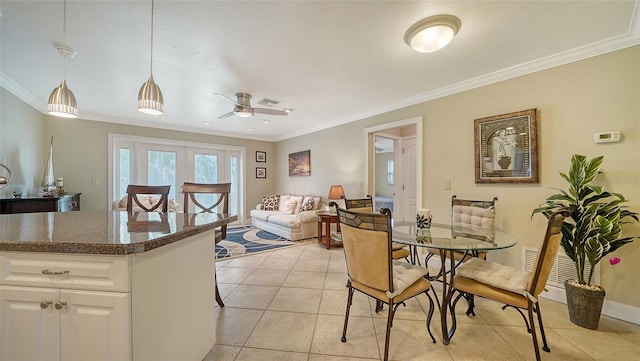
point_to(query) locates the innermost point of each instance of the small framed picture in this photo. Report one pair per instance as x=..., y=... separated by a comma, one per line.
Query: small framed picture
x=261, y=157
x=261, y=172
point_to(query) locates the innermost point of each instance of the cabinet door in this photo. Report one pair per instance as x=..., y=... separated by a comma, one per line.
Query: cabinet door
x=28, y=331
x=95, y=325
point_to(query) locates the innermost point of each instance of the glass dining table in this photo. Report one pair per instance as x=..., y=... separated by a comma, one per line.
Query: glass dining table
x=448, y=239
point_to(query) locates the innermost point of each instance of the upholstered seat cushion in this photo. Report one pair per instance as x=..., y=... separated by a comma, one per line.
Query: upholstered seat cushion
x=285, y=220
x=496, y=275
x=404, y=275
x=473, y=216
x=263, y=215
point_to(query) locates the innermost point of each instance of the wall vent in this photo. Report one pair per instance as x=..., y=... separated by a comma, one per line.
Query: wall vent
x=563, y=268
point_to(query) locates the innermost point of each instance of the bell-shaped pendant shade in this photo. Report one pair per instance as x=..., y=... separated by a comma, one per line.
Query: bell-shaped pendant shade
x=62, y=102
x=150, y=98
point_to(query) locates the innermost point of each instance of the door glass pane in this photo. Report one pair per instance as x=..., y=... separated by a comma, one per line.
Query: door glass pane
x=124, y=172
x=233, y=196
x=162, y=170
x=206, y=171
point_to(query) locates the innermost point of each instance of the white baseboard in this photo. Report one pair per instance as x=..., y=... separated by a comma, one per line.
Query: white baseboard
x=609, y=308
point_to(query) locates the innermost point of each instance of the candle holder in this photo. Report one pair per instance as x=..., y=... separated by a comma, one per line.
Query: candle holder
x=423, y=221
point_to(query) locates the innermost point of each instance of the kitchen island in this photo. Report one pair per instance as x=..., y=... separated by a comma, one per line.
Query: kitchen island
x=107, y=285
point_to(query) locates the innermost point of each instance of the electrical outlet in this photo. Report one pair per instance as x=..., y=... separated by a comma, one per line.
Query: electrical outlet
x=94, y=181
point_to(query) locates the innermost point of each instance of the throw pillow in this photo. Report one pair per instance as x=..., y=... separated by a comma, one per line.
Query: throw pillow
x=271, y=203
x=307, y=204
x=288, y=204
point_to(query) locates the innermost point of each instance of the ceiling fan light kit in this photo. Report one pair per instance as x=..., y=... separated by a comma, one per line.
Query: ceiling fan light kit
x=62, y=102
x=150, y=99
x=433, y=33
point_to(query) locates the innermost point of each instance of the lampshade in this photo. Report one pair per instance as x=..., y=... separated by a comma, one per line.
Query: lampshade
x=150, y=100
x=433, y=33
x=62, y=102
x=336, y=192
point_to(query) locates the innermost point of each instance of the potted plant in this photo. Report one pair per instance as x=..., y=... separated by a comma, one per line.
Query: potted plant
x=591, y=232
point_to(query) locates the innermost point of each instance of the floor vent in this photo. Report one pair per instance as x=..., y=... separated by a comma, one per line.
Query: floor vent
x=563, y=267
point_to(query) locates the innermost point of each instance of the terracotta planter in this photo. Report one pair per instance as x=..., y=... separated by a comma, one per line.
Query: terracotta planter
x=584, y=304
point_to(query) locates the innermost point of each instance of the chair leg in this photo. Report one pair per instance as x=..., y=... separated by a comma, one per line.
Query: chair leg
x=218, y=298
x=392, y=312
x=545, y=347
x=533, y=331
x=346, y=315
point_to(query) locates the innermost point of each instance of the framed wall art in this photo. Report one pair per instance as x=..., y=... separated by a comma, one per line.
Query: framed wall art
x=261, y=157
x=506, y=148
x=300, y=163
x=261, y=172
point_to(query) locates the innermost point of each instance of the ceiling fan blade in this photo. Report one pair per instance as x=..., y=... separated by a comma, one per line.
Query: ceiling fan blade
x=225, y=115
x=233, y=100
x=270, y=111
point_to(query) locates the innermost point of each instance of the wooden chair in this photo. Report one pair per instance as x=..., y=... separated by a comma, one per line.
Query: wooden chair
x=134, y=190
x=191, y=190
x=367, y=240
x=366, y=205
x=465, y=213
x=522, y=290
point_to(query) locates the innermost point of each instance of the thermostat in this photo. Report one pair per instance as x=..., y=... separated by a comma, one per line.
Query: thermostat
x=606, y=137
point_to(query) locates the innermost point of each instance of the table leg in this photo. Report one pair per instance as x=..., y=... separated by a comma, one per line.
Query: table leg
x=320, y=231
x=327, y=237
x=447, y=294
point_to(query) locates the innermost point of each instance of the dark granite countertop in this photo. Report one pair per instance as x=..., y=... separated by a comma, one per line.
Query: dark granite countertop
x=102, y=232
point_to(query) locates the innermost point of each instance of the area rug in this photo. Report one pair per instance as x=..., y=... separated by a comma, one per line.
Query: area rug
x=245, y=240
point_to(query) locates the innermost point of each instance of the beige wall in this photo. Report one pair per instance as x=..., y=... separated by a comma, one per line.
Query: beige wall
x=22, y=144
x=574, y=101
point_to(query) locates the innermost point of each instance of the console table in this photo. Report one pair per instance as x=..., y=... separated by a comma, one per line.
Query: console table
x=61, y=203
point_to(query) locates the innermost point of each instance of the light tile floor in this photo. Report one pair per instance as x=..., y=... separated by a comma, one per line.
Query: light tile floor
x=288, y=305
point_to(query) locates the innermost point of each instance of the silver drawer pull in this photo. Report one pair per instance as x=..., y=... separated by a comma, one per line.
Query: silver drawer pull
x=50, y=273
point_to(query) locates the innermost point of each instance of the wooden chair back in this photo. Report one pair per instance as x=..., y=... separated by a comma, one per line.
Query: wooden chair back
x=366, y=239
x=222, y=190
x=134, y=190
x=359, y=204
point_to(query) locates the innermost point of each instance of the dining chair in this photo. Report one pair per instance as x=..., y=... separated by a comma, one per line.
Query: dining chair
x=133, y=191
x=510, y=285
x=367, y=241
x=220, y=192
x=366, y=205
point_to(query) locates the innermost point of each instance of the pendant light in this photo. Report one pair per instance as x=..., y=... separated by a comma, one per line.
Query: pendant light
x=150, y=98
x=62, y=102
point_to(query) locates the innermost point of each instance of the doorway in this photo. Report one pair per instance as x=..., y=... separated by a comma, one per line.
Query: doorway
x=393, y=174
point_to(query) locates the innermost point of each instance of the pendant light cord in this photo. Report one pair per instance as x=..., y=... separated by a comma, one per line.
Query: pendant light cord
x=151, y=68
x=64, y=43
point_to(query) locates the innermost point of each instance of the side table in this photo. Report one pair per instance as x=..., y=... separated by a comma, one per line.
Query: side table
x=327, y=218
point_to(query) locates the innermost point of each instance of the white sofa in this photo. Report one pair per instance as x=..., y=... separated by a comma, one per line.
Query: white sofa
x=288, y=219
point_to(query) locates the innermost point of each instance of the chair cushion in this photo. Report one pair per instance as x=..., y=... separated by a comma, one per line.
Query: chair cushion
x=496, y=275
x=473, y=216
x=404, y=275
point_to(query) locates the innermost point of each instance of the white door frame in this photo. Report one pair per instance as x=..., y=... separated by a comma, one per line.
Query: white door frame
x=369, y=147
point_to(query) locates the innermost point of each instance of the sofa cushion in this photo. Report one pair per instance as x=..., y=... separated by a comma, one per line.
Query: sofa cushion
x=271, y=203
x=307, y=204
x=285, y=220
x=263, y=215
x=288, y=203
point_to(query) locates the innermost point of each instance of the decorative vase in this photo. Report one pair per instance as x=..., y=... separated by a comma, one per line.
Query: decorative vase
x=504, y=162
x=48, y=179
x=584, y=303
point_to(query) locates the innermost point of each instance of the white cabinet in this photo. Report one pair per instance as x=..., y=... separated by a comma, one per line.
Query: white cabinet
x=47, y=323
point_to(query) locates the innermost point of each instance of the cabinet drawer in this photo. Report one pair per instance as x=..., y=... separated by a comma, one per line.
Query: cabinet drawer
x=81, y=272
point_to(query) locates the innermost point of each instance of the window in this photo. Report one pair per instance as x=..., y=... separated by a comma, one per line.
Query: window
x=141, y=160
x=390, y=172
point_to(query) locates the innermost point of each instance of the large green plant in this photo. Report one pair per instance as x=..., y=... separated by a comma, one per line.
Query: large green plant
x=593, y=230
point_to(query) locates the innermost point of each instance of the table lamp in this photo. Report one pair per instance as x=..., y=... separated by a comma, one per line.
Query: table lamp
x=335, y=193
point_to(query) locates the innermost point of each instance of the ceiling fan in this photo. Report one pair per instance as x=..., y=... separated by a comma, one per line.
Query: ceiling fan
x=244, y=109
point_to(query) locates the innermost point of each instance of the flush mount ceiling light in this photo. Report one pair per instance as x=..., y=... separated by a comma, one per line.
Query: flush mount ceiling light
x=62, y=102
x=433, y=33
x=150, y=100
x=243, y=111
